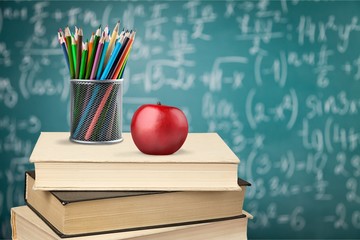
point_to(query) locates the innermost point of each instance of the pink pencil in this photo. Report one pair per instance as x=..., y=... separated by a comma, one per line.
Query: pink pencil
x=97, y=58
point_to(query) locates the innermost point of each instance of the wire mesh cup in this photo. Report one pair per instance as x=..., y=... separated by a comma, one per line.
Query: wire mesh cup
x=96, y=111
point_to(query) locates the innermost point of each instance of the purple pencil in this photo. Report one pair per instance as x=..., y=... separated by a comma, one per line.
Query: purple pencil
x=97, y=58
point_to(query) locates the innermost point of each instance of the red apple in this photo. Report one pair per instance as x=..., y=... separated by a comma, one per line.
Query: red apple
x=158, y=129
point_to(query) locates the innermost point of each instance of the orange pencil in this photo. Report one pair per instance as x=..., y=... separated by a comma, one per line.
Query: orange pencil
x=90, y=46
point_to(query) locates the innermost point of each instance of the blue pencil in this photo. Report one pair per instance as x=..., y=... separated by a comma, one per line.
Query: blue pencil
x=63, y=46
x=111, y=61
x=65, y=54
x=102, y=60
x=87, y=110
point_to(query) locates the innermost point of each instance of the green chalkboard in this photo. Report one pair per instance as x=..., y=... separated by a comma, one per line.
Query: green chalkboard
x=278, y=80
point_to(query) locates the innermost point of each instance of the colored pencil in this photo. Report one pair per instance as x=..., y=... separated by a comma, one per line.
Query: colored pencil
x=111, y=61
x=76, y=34
x=121, y=61
x=106, y=31
x=90, y=46
x=127, y=43
x=63, y=46
x=102, y=60
x=98, y=112
x=78, y=93
x=122, y=33
x=112, y=42
x=93, y=53
x=83, y=60
x=70, y=56
x=73, y=49
x=96, y=90
x=103, y=125
x=108, y=91
x=97, y=58
x=105, y=56
x=112, y=120
x=61, y=33
x=123, y=68
x=79, y=51
x=85, y=112
x=118, y=56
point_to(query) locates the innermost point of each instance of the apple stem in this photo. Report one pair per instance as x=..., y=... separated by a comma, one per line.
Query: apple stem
x=159, y=103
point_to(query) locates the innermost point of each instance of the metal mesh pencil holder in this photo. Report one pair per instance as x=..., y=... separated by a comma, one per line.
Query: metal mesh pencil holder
x=96, y=111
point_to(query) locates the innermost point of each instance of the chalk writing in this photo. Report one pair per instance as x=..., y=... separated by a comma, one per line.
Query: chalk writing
x=12, y=13
x=4, y=55
x=277, y=69
x=217, y=78
x=341, y=218
x=295, y=219
x=340, y=104
x=320, y=31
x=277, y=80
x=258, y=113
x=8, y=95
x=198, y=17
x=329, y=136
x=32, y=86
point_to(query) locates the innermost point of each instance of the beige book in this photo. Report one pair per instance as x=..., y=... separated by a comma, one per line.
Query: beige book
x=204, y=163
x=79, y=213
x=26, y=225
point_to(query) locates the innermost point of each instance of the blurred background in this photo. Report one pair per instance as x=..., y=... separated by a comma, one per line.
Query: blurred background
x=278, y=80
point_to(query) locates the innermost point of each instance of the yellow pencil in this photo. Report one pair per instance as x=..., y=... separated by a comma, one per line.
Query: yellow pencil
x=112, y=42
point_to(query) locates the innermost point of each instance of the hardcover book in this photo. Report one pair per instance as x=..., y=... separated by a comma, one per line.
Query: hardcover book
x=204, y=163
x=75, y=213
x=26, y=225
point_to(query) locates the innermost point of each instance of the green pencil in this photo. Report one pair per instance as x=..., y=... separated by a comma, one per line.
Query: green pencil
x=83, y=60
x=123, y=67
x=78, y=52
x=93, y=52
x=70, y=55
x=78, y=92
x=73, y=48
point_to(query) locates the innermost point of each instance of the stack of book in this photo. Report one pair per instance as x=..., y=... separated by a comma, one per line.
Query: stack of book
x=116, y=192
